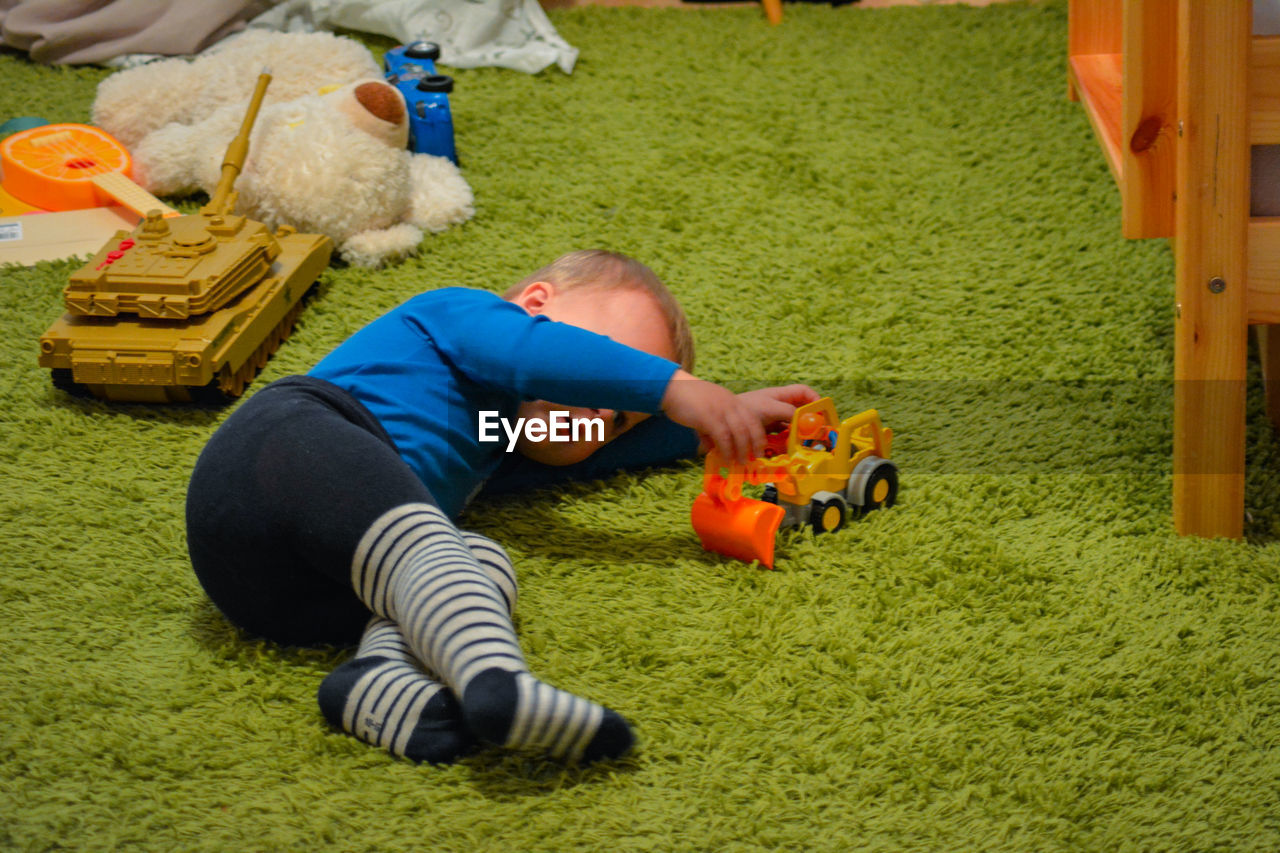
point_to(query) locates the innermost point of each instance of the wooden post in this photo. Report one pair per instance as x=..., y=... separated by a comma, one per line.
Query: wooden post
x=1149, y=123
x=1212, y=220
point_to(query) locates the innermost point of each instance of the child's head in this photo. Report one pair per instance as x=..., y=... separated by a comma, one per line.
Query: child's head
x=612, y=295
x=595, y=276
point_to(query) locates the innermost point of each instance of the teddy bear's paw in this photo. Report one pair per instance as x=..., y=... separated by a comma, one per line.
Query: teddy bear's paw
x=381, y=246
x=439, y=196
x=132, y=103
x=167, y=162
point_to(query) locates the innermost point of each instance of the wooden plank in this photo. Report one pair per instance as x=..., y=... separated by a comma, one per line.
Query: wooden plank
x=1264, y=269
x=1093, y=27
x=1211, y=218
x=1097, y=80
x=1149, y=118
x=36, y=237
x=1264, y=90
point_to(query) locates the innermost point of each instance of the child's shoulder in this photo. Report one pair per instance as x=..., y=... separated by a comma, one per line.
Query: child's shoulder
x=455, y=296
x=448, y=310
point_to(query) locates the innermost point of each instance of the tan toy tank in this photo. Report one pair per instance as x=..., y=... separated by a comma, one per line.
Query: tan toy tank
x=184, y=308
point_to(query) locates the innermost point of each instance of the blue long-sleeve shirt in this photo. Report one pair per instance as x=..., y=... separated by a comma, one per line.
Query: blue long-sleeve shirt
x=428, y=368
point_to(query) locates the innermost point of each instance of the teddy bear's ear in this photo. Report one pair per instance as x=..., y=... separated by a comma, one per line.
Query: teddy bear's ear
x=377, y=108
x=381, y=100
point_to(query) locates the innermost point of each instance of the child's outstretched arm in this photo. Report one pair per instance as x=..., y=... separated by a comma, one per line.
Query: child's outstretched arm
x=732, y=423
x=655, y=441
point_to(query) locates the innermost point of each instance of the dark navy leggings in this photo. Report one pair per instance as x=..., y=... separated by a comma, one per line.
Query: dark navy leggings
x=278, y=501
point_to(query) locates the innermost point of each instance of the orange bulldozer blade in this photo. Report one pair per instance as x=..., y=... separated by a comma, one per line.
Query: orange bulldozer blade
x=743, y=529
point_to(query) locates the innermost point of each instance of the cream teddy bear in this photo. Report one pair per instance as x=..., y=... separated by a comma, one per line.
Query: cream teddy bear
x=327, y=154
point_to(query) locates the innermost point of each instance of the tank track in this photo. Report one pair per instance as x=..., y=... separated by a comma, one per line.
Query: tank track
x=231, y=384
x=228, y=386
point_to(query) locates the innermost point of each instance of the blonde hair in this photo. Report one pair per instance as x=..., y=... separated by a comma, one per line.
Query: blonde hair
x=608, y=270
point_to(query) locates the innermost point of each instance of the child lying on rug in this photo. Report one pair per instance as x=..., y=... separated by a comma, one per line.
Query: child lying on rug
x=329, y=497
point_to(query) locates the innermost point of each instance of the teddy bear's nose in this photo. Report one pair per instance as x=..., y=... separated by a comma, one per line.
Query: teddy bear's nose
x=381, y=100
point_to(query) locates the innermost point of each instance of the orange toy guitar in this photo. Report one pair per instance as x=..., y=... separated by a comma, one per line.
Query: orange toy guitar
x=70, y=167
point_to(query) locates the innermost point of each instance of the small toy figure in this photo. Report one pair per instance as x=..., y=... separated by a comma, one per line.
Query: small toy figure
x=814, y=471
x=813, y=432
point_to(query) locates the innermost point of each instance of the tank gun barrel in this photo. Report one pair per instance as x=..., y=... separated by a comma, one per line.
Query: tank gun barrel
x=223, y=199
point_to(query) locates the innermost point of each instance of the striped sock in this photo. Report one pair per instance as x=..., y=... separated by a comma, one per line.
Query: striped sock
x=384, y=698
x=413, y=566
x=496, y=564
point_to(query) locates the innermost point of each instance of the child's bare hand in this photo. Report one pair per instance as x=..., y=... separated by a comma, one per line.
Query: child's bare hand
x=717, y=414
x=773, y=406
x=777, y=405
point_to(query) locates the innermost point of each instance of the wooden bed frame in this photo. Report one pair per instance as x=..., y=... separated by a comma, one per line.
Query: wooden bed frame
x=1178, y=91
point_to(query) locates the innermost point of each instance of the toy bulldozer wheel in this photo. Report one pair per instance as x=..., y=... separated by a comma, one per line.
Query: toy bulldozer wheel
x=827, y=512
x=874, y=484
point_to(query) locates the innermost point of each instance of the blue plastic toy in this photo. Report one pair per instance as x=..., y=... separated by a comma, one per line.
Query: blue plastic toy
x=411, y=68
x=14, y=125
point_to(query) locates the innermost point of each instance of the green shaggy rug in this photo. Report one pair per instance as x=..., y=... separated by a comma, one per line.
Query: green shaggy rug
x=898, y=207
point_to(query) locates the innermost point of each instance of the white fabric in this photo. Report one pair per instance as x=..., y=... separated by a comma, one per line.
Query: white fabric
x=512, y=34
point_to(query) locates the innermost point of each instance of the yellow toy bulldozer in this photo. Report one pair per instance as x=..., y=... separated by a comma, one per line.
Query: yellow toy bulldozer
x=815, y=472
